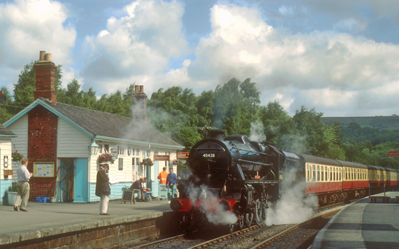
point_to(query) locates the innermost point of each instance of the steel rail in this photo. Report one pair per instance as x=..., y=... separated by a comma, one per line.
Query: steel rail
x=159, y=242
x=284, y=233
x=227, y=236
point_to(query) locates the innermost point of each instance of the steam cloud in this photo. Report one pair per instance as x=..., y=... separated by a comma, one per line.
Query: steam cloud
x=210, y=207
x=293, y=206
x=257, y=132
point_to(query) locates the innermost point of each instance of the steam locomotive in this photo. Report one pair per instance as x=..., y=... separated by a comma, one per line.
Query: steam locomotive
x=233, y=175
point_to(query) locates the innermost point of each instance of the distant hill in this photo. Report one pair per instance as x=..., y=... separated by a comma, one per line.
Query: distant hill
x=380, y=122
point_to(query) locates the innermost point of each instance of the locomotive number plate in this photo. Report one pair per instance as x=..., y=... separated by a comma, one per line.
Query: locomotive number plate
x=208, y=155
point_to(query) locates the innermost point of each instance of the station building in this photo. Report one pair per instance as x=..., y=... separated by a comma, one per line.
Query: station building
x=63, y=144
x=5, y=160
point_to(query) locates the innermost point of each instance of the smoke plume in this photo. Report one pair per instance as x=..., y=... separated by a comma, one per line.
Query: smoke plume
x=209, y=206
x=257, y=132
x=293, y=206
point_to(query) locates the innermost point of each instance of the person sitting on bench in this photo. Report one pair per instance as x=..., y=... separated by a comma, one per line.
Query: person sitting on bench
x=139, y=185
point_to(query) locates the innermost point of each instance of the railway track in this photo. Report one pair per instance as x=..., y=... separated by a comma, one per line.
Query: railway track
x=279, y=236
x=298, y=236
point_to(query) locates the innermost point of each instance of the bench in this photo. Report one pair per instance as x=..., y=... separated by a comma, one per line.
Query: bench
x=384, y=198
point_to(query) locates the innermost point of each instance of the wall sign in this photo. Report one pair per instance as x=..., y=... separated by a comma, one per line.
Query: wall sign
x=182, y=154
x=43, y=169
x=114, y=152
x=161, y=157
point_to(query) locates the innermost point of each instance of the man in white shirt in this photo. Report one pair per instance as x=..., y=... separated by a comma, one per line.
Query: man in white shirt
x=23, y=186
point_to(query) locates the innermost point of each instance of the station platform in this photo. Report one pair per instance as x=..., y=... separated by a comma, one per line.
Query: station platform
x=363, y=224
x=57, y=219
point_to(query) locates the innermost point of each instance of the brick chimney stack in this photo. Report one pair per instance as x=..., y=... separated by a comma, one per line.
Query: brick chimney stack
x=45, y=78
x=139, y=103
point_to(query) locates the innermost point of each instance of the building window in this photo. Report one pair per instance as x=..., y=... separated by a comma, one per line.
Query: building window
x=100, y=148
x=121, y=150
x=120, y=163
x=106, y=148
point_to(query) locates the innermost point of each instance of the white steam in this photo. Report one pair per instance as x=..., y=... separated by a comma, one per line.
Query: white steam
x=293, y=206
x=257, y=132
x=294, y=142
x=210, y=206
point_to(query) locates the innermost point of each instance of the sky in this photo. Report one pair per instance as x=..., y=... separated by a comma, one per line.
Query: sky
x=339, y=57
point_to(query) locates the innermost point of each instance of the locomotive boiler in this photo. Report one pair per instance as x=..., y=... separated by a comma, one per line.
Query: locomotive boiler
x=233, y=175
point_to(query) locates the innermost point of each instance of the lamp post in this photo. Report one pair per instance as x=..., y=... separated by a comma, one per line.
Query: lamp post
x=93, y=148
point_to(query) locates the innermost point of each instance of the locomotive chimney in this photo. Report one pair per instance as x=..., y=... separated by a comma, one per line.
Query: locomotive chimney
x=139, y=111
x=45, y=78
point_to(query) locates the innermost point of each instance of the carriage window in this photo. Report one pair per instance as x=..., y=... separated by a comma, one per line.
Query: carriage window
x=308, y=172
x=333, y=174
x=340, y=175
x=322, y=173
x=330, y=173
x=336, y=174
x=326, y=174
x=314, y=172
x=318, y=173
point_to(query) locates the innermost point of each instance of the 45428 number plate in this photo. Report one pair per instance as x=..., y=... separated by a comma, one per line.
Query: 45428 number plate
x=208, y=155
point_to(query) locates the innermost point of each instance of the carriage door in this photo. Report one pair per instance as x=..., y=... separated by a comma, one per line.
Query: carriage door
x=67, y=177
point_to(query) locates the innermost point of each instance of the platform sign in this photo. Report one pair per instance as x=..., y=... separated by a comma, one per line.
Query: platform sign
x=182, y=154
x=163, y=191
x=393, y=153
x=161, y=157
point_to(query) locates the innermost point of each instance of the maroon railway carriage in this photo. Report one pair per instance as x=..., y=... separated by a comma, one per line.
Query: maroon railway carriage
x=323, y=177
x=354, y=178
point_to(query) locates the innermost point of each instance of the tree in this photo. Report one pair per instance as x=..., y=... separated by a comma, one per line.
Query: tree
x=236, y=106
x=276, y=122
x=26, y=85
x=7, y=109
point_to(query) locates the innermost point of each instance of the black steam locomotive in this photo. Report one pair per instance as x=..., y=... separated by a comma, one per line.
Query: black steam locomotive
x=234, y=175
x=230, y=175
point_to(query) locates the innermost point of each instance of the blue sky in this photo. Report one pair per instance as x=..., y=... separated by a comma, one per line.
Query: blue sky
x=339, y=57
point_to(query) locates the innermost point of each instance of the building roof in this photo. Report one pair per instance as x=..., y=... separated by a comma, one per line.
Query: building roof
x=102, y=125
x=4, y=132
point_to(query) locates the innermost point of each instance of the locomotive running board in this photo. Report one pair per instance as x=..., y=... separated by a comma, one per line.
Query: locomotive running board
x=252, y=162
x=263, y=181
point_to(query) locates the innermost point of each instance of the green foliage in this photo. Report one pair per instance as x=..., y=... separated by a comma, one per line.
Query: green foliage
x=13, y=187
x=236, y=106
x=6, y=106
x=275, y=121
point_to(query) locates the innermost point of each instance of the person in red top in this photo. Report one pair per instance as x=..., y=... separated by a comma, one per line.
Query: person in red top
x=162, y=176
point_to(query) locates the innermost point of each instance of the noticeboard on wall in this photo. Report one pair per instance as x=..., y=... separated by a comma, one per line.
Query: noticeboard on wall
x=43, y=169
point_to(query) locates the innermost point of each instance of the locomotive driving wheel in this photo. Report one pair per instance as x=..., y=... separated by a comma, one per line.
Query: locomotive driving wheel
x=240, y=221
x=249, y=218
x=260, y=212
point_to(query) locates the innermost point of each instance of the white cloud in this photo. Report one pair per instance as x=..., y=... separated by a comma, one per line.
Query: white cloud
x=329, y=64
x=29, y=26
x=137, y=46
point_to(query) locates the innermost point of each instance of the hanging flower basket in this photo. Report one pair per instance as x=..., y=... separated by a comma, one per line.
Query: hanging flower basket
x=174, y=162
x=146, y=162
x=16, y=156
x=105, y=157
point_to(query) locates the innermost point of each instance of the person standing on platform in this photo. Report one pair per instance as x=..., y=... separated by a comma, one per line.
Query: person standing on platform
x=102, y=188
x=23, y=186
x=171, y=184
x=162, y=182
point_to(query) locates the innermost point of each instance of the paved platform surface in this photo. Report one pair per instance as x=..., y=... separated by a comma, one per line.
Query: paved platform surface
x=363, y=225
x=44, y=219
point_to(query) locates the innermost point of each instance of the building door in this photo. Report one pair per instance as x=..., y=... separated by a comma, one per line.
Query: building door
x=67, y=175
x=81, y=181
